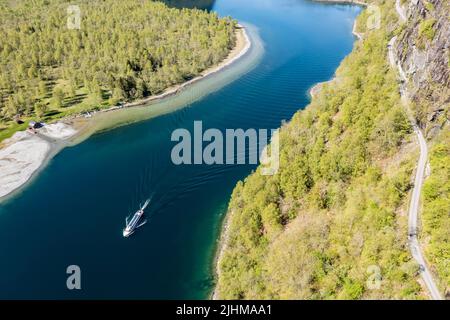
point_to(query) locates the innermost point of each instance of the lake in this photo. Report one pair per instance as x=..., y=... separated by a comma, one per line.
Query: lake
x=74, y=211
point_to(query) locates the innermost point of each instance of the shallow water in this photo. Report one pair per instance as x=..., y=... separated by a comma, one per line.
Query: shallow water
x=73, y=213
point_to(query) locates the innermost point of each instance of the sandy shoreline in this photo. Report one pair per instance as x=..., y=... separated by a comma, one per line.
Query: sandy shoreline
x=22, y=155
x=241, y=47
x=25, y=152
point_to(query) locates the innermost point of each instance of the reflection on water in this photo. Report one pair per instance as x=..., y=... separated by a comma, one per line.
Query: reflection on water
x=199, y=4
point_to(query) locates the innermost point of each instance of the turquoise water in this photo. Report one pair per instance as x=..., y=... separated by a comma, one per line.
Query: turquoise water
x=73, y=213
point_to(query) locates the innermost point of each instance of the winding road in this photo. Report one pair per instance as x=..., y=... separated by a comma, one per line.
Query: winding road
x=413, y=214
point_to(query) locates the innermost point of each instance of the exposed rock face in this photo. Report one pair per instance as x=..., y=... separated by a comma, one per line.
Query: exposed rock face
x=424, y=52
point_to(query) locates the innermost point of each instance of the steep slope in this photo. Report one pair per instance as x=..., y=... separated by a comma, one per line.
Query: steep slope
x=423, y=52
x=423, y=49
x=332, y=223
x=435, y=236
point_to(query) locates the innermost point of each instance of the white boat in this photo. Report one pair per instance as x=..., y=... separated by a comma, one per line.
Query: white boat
x=135, y=222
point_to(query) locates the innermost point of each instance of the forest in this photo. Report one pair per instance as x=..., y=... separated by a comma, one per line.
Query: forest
x=332, y=224
x=121, y=51
x=436, y=204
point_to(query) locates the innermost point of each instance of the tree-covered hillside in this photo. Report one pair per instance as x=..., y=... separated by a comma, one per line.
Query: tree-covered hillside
x=436, y=210
x=332, y=224
x=124, y=50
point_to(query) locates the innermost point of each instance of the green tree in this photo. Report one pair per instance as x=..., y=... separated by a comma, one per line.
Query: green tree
x=58, y=97
x=43, y=88
x=40, y=109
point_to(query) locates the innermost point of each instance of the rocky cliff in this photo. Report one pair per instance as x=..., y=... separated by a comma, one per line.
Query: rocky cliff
x=335, y=214
x=423, y=50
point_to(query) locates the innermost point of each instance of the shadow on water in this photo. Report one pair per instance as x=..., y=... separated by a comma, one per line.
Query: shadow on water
x=199, y=4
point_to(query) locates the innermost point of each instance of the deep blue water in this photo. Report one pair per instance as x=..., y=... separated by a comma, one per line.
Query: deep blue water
x=74, y=211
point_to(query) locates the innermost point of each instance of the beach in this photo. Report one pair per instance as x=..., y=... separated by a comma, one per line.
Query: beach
x=22, y=155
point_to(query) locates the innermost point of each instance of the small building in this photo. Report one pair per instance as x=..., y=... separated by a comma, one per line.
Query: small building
x=35, y=125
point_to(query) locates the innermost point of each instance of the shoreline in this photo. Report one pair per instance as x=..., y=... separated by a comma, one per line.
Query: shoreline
x=25, y=154
x=224, y=235
x=220, y=249
x=314, y=90
x=240, y=49
x=357, y=2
